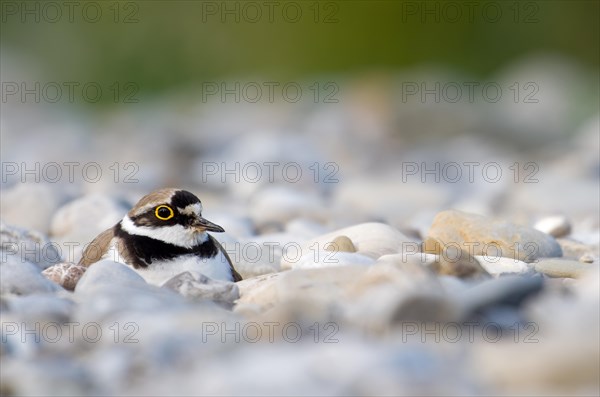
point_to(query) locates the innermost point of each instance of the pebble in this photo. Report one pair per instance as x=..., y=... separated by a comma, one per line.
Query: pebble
x=197, y=286
x=369, y=239
x=261, y=254
x=47, y=375
x=462, y=266
x=30, y=205
x=65, y=274
x=259, y=291
x=556, y=226
x=510, y=290
x=41, y=308
x=417, y=258
x=455, y=264
x=340, y=244
x=327, y=259
x=108, y=273
x=26, y=245
x=389, y=294
x=23, y=278
x=562, y=268
x=558, y=352
x=108, y=288
x=588, y=258
x=497, y=266
x=481, y=235
x=573, y=249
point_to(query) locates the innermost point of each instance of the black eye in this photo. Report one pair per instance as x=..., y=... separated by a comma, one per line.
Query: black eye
x=164, y=212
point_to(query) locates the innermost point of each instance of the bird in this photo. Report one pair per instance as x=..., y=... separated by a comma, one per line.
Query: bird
x=164, y=235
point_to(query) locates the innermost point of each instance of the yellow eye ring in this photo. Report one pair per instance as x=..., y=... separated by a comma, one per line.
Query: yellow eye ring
x=164, y=216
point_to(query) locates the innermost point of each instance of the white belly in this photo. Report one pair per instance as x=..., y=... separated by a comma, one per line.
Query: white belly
x=160, y=271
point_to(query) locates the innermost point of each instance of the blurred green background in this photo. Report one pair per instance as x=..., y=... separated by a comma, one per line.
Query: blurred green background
x=166, y=45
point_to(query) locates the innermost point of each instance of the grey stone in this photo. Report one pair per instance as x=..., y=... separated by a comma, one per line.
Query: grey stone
x=52, y=375
x=37, y=308
x=23, y=278
x=199, y=287
x=503, y=291
x=30, y=205
x=107, y=272
x=328, y=259
x=26, y=245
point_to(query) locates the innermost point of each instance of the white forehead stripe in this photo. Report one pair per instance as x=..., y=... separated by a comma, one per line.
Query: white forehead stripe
x=174, y=234
x=192, y=209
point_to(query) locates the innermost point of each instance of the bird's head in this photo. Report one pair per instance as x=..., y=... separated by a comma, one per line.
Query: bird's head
x=171, y=215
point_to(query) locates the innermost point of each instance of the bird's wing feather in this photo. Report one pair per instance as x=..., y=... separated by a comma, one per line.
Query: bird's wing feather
x=97, y=248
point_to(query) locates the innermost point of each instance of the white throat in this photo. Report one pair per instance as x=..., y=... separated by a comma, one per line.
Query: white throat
x=176, y=234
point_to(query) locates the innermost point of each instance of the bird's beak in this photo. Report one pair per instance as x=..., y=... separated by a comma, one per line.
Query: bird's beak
x=203, y=225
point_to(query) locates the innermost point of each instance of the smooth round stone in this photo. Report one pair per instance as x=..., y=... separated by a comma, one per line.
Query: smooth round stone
x=573, y=249
x=39, y=307
x=318, y=259
x=497, y=266
x=107, y=272
x=30, y=205
x=23, y=278
x=388, y=294
x=199, y=287
x=480, y=235
x=65, y=274
x=259, y=290
x=47, y=375
x=261, y=254
x=556, y=226
x=459, y=264
x=562, y=268
x=451, y=262
x=588, y=258
x=325, y=284
x=108, y=287
x=30, y=246
x=509, y=290
x=321, y=283
x=369, y=239
x=341, y=244
x=417, y=258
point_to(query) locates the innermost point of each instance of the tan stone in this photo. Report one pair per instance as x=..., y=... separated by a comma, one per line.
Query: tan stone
x=341, y=244
x=563, y=268
x=480, y=235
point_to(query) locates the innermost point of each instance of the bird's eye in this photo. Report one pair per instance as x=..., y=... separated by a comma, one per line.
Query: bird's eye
x=164, y=213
